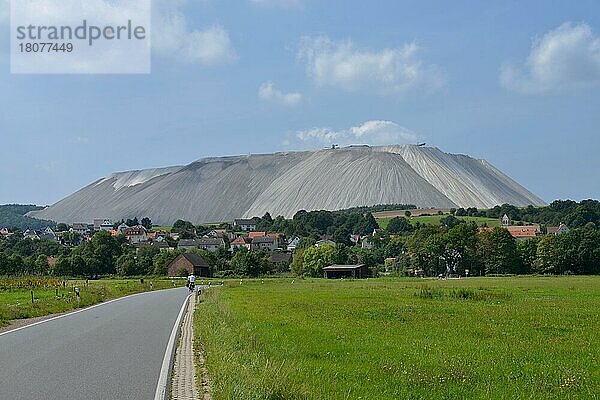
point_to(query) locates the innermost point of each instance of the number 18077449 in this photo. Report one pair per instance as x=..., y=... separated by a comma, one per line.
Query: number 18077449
x=45, y=47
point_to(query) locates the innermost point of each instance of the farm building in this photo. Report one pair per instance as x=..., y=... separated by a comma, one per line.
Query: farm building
x=346, y=271
x=189, y=263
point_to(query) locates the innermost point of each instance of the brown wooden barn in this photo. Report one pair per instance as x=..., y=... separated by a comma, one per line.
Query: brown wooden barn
x=346, y=271
x=190, y=263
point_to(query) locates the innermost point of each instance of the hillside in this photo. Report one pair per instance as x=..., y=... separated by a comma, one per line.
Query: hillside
x=13, y=216
x=223, y=188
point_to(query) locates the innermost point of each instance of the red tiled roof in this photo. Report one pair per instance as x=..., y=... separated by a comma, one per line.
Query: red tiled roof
x=239, y=240
x=252, y=235
x=135, y=231
x=524, y=231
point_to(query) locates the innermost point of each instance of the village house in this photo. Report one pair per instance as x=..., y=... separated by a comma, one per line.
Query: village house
x=186, y=264
x=162, y=246
x=80, y=228
x=160, y=236
x=322, y=242
x=240, y=242
x=367, y=242
x=136, y=234
x=522, y=232
x=211, y=244
x=518, y=232
x=122, y=227
x=246, y=225
x=208, y=244
x=256, y=234
x=292, y=244
x=5, y=232
x=187, y=244
x=557, y=230
x=103, y=225
x=46, y=234
x=279, y=258
x=355, y=239
x=268, y=243
x=220, y=233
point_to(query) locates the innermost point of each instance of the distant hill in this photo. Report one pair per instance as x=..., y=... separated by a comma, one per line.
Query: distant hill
x=13, y=216
x=217, y=189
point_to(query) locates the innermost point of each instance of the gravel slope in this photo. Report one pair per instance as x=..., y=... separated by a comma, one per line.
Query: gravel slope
x=223, y=188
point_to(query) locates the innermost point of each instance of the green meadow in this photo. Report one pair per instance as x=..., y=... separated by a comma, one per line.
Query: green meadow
x=435, y=220
x=55, y=295
x=475, y=338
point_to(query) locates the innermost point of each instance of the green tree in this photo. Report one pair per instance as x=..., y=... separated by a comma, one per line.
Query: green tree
x=250, y=263
x=399, y=225
x=16, y=264
x=298, y=262
x=41, y=265
x=62, y=227
x=73, y=238
x=132, y=222
x=527, y=251
x=497, y=252
x=98, y=255
x=62, y=267
x=147, y=223
x=161, y=262
x=426, y=247
x=315, y=258
x=127, y=265
x=461, y=247
x=4, y=264
x=450, y=221
x=145, y=259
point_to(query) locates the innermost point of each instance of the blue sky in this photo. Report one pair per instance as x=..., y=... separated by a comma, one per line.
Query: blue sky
x=516, y=83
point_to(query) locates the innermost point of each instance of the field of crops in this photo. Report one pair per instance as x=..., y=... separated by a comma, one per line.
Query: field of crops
x=480, y=338
x=54, y=295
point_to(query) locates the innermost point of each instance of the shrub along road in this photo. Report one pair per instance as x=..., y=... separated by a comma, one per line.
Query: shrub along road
x=111, y=351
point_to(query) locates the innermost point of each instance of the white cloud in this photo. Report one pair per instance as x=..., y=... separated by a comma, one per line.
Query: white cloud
x=267, y=92
x=374, y=132
x=564, y=58
x=211, y=46
x=172, y=37
x=387, y=71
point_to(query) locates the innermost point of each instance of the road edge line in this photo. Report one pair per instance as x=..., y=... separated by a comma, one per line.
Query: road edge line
x=167, y=364
x=78, y=311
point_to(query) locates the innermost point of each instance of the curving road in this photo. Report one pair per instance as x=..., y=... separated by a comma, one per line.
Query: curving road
x=112, y=351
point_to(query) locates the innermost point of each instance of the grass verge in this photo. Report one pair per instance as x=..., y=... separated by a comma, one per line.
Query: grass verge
x=52, y=296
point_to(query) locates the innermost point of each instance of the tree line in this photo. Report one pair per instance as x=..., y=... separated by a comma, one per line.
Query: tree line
x=403, y=248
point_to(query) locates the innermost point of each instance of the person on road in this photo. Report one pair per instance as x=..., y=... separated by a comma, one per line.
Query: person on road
x=191, y=282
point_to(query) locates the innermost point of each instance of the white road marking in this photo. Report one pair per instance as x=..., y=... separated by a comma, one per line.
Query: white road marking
x=163, y=379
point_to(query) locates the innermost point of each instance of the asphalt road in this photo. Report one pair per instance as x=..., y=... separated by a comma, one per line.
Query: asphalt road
x=113, y=351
